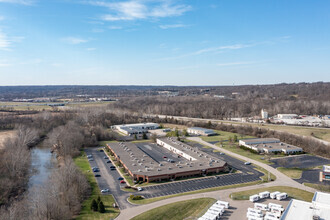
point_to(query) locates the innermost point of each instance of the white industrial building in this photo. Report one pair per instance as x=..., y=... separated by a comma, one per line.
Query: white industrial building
x=264, y=114
x=201, y=131
x=287, y=116
x=269, y=145
x=136, y=129
x=318, y=209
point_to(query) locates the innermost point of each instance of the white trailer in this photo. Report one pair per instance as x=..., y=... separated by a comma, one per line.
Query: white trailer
x=272, y=215
x=270, y=205
x=214, y=212
x=277, y=210
x=223, y=203
x=255, y=211
x=254, y=198
x=255, y=215
x=267, y=217
x=221, y=211
x=274, y=194
x=210, y=216
x=264, y=195
x=254, y=218
x=281, y=196
x=261, y=206
x=219, y=207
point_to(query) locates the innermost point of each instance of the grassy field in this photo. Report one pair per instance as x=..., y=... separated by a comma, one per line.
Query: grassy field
x=320, y=187
x=292, y=192
x=108, y=200
x=147, y=201
x=179, y=210
x=6, y=134
x=294, y=173
x=235, y=149
x=265, y=176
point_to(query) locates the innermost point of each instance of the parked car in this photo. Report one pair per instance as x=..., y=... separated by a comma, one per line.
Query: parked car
x=222, y=153
x=139, y=189
x=105, y=190
x=108, y=161
x=247, y=163
x=105, y=157
x=113, y=168
x=120, y=178
x=122, y=181
x=89, y=156
x=101, y=150
x=90, y=159
x=164, y=157
x=95, y=169
x=97, y=175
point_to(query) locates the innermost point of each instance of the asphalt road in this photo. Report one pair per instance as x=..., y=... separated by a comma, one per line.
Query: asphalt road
x=109, y=178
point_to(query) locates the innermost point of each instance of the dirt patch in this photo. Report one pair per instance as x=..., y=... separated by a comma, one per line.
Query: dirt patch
x=4, y=135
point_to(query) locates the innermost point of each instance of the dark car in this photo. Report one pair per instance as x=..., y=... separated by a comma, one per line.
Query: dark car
x=112, y=168
x=105, y=157
x=108, y=161
x=101, y=150
x=120, y=178
x=96, y=170
x=97, y=175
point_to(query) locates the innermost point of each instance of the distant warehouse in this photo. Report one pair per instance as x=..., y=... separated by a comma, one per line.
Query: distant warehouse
x=136, y=129
x=142, y=167
x=201, y=131
x=269, y=145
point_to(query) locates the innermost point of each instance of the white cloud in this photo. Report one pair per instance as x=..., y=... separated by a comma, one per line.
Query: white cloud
x=115, y=27
x=56, y=64
x=2, y=18
x=74, y=40
x=91, y=49
x=167, y=26
x=234, y=63
x=5, y=42
x=138, y=9
x=4, y=63
x=210, y=50
x=32, y=62
x=97, y=30
x=22, y=2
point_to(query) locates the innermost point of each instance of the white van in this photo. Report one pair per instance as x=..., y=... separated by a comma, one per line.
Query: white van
x=264, y=195
x=270, y=205
x=255, y=215
x=254, y=198
x=255, y=211
x=274, y=194
x=223, y=203
x=276, y=210
x=281, y=196
x=261, y=206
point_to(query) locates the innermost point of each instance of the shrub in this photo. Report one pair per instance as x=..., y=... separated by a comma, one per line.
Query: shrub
x=101, y=208
x=94, y=205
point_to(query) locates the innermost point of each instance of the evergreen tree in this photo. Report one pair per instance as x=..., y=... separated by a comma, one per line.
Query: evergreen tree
x=94, y=205
x=98, y=199
x=101, y=207
x=145, y=136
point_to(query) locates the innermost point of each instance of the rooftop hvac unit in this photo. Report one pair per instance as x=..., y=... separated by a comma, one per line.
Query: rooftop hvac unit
x=170, y=168
x=316, y=217
x=140, y=164
x=142, y=159
x=180, y=166
x=161, y=164
x=133, y=164
x=139, y=171
x=200, y=164
x=159, y=169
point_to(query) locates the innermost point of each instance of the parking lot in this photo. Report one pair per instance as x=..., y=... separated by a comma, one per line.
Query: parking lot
x=301, y=161
x=108, y=178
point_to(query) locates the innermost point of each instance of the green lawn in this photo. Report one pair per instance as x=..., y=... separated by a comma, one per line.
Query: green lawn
x=108, y=200
x=292, y=192
x=265, y=176
x=320, y=187
x=223, y=135
x=294, y=173
x=147, y=201
x=191, y=209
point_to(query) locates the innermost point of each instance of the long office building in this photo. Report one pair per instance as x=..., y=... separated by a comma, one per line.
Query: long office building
x=136, y=129
x=143, y=167
x=269, y=145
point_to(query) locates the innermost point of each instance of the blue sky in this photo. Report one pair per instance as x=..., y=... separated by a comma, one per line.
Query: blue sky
x=163, y=42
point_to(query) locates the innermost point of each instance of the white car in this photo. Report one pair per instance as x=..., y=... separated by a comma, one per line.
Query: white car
x=247, y=163
x=139, y=189
x=105, y=190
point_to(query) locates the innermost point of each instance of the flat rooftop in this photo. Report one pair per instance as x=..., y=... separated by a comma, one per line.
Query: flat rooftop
x=140, y=163
x=260, y=140
x=138, y=125
x=202, y=129
x=302, y=210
